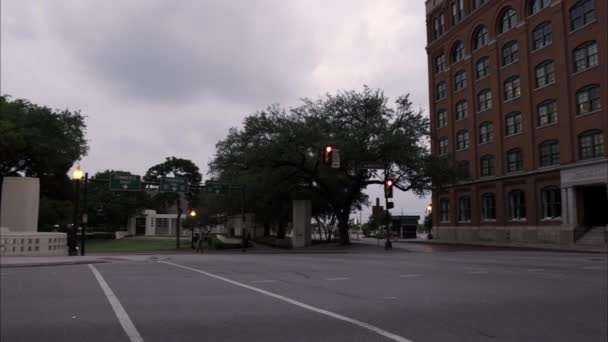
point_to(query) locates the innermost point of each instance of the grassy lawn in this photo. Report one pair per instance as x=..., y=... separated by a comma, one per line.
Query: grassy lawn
x=133, y=245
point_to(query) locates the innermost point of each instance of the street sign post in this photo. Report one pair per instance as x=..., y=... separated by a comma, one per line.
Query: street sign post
x=119, y=182
x=371, y=165
x=168, y=184
x=216, y=188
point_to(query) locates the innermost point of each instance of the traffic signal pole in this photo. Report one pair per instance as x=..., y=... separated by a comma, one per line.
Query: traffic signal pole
x=387, y=190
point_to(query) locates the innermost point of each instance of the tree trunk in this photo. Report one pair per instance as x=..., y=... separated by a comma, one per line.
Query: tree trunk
x=281, y=230
x=343, y=228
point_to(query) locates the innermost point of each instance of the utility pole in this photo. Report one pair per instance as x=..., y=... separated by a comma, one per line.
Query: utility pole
x=85, y=216
x=178, y=223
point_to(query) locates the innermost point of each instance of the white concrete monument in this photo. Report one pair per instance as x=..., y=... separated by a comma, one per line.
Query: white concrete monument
x=302, y=230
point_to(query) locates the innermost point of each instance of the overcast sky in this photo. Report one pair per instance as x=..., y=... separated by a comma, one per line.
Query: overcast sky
x=158, y=78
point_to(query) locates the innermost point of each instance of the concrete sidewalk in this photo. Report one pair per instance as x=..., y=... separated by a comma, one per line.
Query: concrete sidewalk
x=512, y=245
x=25, y=261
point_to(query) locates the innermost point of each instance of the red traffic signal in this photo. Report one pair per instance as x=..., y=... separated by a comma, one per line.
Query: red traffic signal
x=328, y=154
x=388, y=188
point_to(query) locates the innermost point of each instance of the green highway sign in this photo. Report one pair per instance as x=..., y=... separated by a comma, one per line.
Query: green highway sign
x=120, y=182
x=216, y=188
x=173, y=185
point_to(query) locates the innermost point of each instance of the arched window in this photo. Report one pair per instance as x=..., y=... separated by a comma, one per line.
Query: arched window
x=488, y=206
x=585, y=56
x=548, y=153
x=486, y=166
x=486, y=133
x=464, y=209
x=551, y=199
x=591, y=144
x=534, y=6
x=542, y=35
x=510, y=53
x=482, y=67
x=512, y=88
x=484, y=100
x=481, y=37
x=517, y=205
x=545, y=73
x=513, y=123
x=462, y=139
x=507, y=20
x=458, y=52
x=441, y=90
x=443, y=145
x=581, y=14
x=546, y=112
x=461, y=109
x=515, y=160
x=440, y=63
x=442, y=118
x=460, y=80
x=588, y=99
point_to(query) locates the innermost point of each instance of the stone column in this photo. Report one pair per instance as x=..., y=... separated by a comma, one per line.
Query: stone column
x=301, y=223
x=20, y=201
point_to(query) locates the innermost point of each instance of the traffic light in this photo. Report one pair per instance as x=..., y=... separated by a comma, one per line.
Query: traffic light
x=328, y=154
x=388, y=188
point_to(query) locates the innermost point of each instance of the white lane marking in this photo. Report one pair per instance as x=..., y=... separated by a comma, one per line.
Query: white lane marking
x=333, y=279
x=389, y=297
x=264, y=281
x=361, y=324
x=119, y=311
x=536, y=270
x=409, y=275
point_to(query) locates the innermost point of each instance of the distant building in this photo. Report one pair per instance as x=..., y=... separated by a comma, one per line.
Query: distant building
x=518, y=96
x=405, y=226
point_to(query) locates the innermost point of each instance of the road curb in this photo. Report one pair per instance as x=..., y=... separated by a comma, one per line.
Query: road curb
x=514, y=247
x=56, y=263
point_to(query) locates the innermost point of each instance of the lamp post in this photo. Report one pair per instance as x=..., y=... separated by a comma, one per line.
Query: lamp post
x=77, y=176
x=192, y=215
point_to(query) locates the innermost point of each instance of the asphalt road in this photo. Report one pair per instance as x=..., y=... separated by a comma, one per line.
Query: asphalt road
x=446, y=295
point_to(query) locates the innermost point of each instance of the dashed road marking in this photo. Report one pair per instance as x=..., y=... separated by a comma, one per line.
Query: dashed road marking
x=264, y=281
x=334, y=279
x=119, y=311
x=377, y=330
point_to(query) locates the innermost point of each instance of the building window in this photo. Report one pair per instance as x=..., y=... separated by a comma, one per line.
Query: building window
x=488, y=206
x=547, y=113
x=510, y=53
x=460, y=80
x=545, y=73
x=442, y=118
x=588, y=100
x=536, y=5
x=585, y=56
x=517, y=205
x=552, y=203
x=591, y=144
x=461, y=109
x=443, y=146
x=457, y=11
x=513, y=123
x=487, y=166
x=515, y=160
x=482, y=67
x=439, y=63
x=439, y=26
x=458, y=52
x=548, y=152
x=486, y=133
x=441, y=90
x=481, y=37
x=464, y=209
x=541, y=36
x=462, y=139
x=444, y=213
x=581, y=14
x=508, y=20
x=477, y=3
x=463, y=167
x=512, y=88
x=484, y=100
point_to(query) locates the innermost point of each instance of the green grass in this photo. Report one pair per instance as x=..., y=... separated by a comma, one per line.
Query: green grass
x=133, y=245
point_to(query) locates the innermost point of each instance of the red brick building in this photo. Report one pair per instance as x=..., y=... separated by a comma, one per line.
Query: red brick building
x=518, y=96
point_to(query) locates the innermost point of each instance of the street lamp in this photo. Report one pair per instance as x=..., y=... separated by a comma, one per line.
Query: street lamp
x=192, y=213
x=77, y=176
x=429, y=208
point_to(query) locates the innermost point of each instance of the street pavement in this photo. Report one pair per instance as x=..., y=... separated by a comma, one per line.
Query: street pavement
x=446, y=294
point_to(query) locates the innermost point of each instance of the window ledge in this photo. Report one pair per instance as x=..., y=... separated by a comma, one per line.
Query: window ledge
x=547, y=125
x=465, y=221
x=486, y=143
x=582, y=71
x=514, y=134
x=484, y=110
x=488, y=220
x=461, y=119
x=512, y=99
x=545, y=86
x=515, y=172
x=444, y=221
x=462, y=149
x=459, y=89
x=542, y=47
x=549, y=219
x=582, y=27
x=517, y=220
x=589, y=113
x=507, y=65
x=481, y=78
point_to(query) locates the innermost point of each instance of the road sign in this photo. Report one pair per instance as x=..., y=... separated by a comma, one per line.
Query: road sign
x=372, y=165
x=168, y=184
x=335, y=159
x=120, y=182
x=216, y=188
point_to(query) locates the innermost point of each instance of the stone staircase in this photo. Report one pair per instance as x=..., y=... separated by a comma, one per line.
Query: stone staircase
x=595, y=237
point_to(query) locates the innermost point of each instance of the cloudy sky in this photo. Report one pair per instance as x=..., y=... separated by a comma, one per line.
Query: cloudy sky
x=159, y=78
